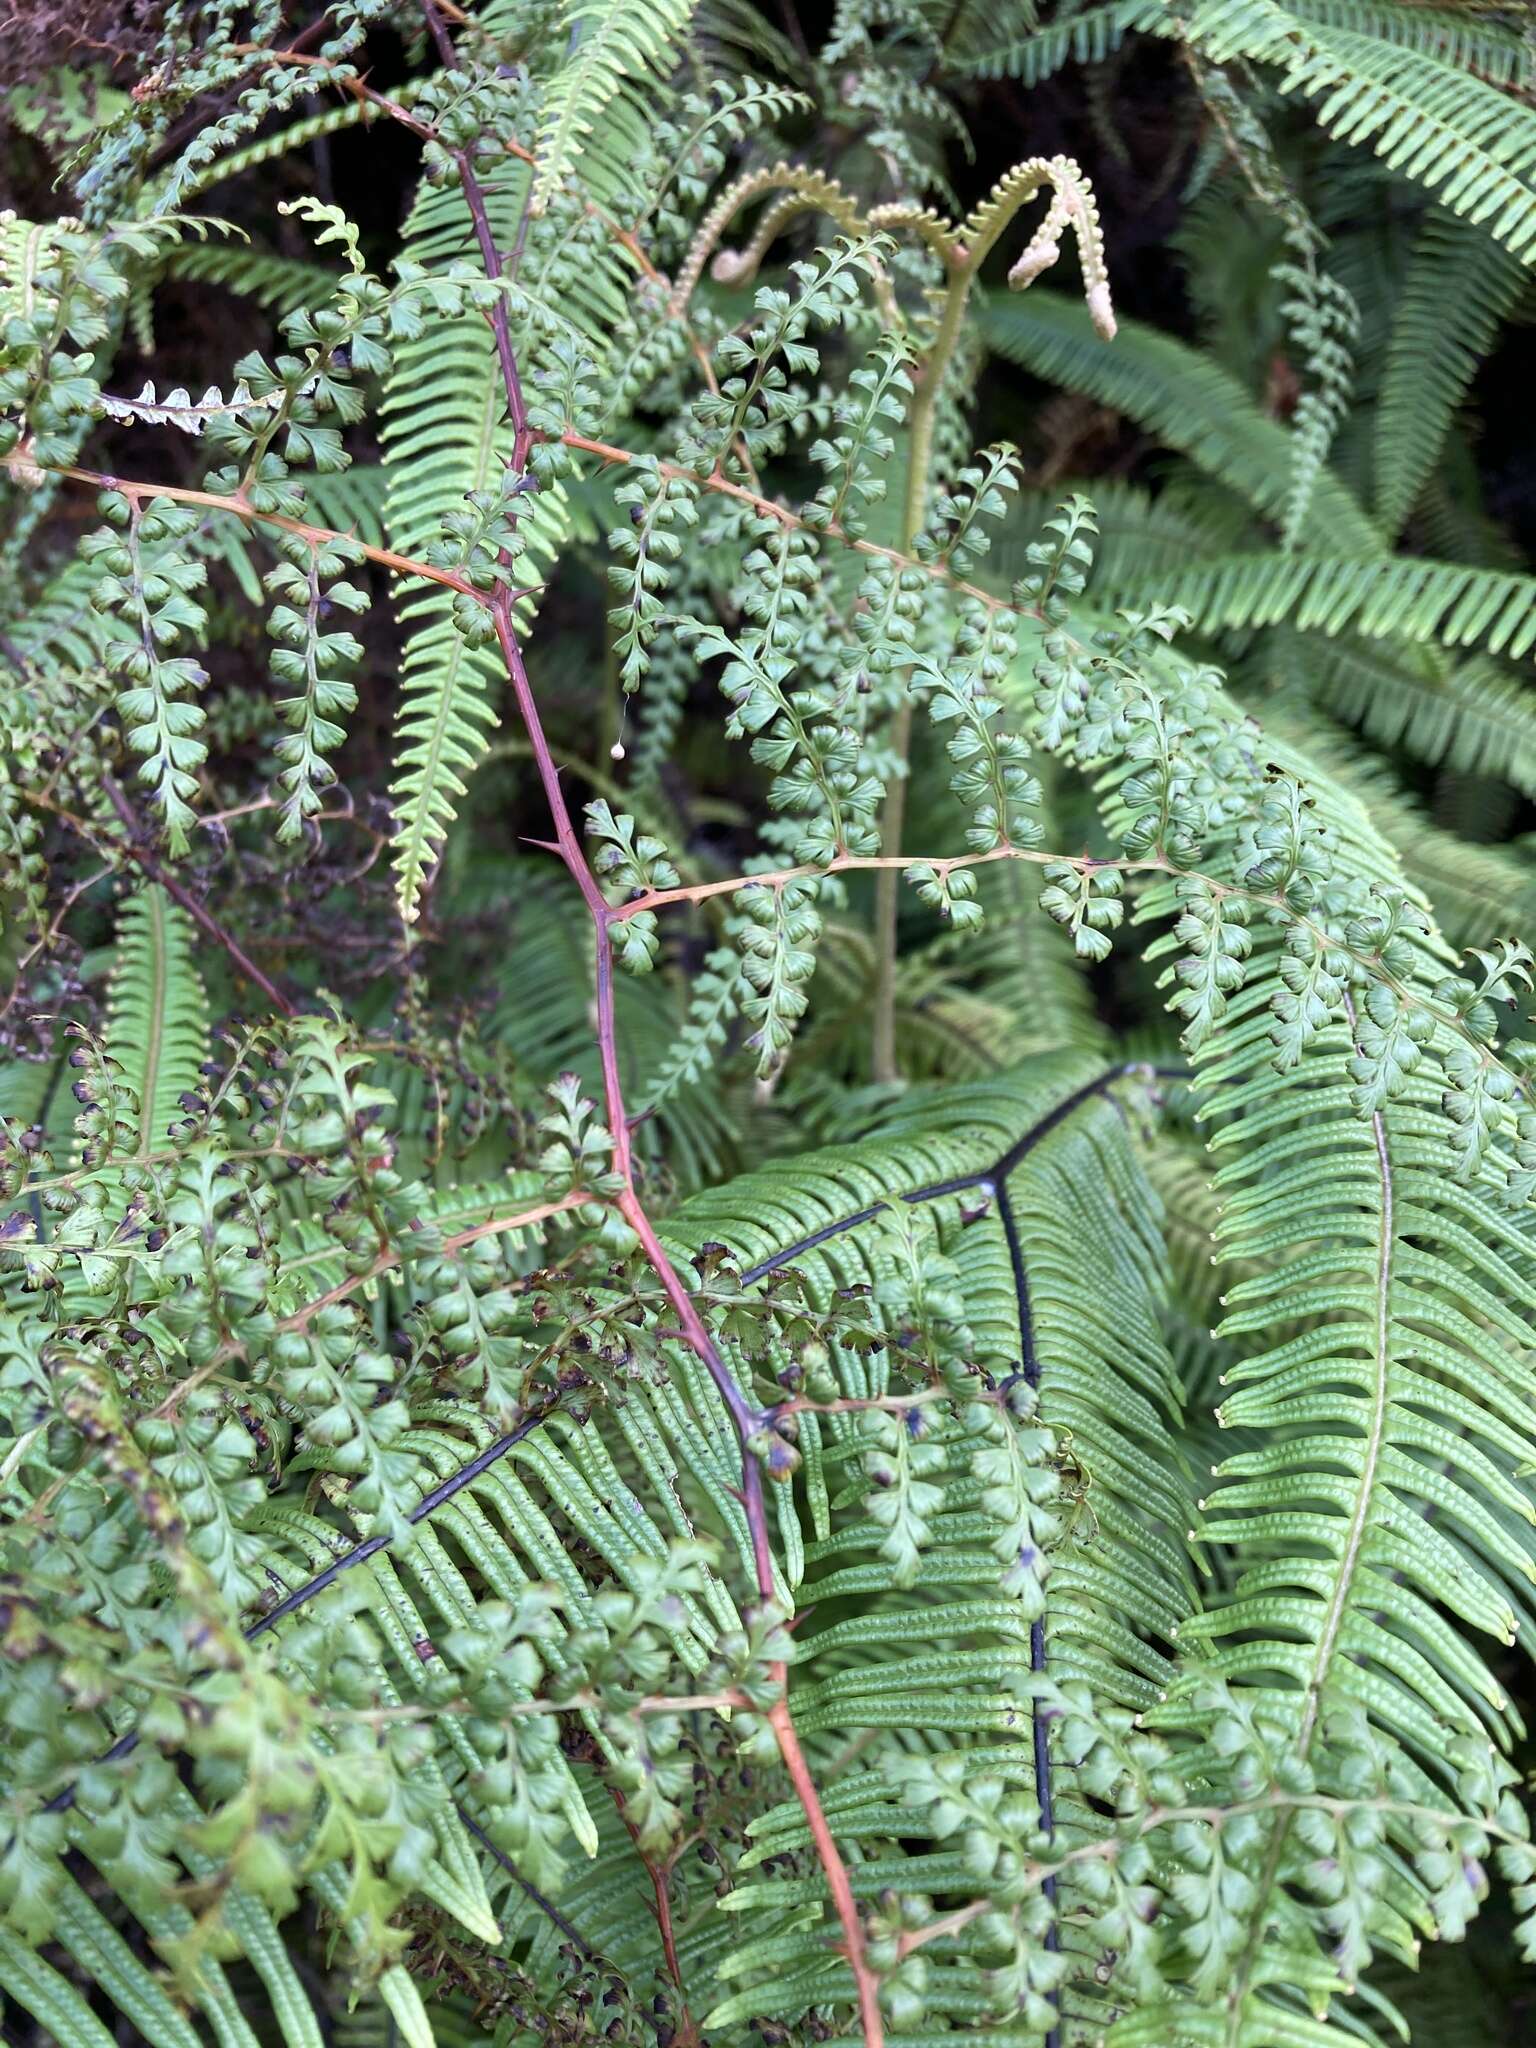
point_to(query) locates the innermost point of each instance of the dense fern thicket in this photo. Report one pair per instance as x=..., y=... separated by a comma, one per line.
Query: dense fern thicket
x=767, y=1134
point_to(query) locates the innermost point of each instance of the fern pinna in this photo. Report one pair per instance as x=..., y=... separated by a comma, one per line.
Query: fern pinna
x=617, y=1418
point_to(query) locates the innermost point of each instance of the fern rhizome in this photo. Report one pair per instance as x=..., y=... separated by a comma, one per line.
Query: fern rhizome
x=880, y=1393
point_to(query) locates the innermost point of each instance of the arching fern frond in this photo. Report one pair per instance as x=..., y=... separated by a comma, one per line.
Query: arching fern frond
x=261, y=275
x=1459, y=286
x=1470, y=144
x=1472, y=716
x=596, y=105
x=1387, y=1488
x=1031, y=53
x=1401, y=597
x=1471, y=40
x=1170, y=388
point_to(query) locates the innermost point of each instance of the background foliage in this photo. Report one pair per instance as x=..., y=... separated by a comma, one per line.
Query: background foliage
x=767, y=1145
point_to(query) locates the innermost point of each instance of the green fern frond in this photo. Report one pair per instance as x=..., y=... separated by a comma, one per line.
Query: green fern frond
x=1173, y=390
x=444, y=435
x=953, y=1661
x=1473, y=717
x=1420, y=86
x=261, y=275
x=594, y=107
x=1475, y=890
x=1144, y=534
x=1388, y=1483
x=1459, y=286
x=1402, y=598
x=157, y=1019
x=1030, y=53
x=1470, y=144
x=1469, y=39
x=59, y=629
x=49, y=1997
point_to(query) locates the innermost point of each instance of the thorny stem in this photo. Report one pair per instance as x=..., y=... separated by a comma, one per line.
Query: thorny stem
x=20, y=462
x=356, y=86
x=404, y=565
x=135, y=847
x=743, y=1415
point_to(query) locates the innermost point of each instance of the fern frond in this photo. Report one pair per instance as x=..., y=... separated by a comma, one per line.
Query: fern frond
x=157, y=1022
x=1173, y=390
x=1388, y=1484
x=595, y=106
x=445, y=435
x=261, y=275
x=1469, y=39
x=959, y=1659
x=1465, y=141
x=60, y=629
x=1476, y=891
x=1030, y=53
x=1402, y=597
x=1459, y=286
x=1472, y=717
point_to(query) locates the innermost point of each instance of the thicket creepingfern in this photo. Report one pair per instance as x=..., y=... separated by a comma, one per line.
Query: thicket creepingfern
x=612, y=1423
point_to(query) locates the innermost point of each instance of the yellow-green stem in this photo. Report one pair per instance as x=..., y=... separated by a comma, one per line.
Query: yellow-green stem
x=893, y=817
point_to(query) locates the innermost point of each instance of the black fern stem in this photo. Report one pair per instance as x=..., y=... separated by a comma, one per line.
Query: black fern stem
x=573, y=1935
x=1030, y=1360
x=531, y=1892
x=428, y=1504
x=988, y=1177
x=125, y=1745
x=805, y=1244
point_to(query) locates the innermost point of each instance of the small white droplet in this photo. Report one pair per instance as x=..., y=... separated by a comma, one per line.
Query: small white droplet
x=616, y=751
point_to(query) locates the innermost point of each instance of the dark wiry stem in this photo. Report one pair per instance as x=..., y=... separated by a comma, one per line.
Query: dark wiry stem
x=531, y=1892
x=429, y=1503
x=198, y=912
x=1030, y=1360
